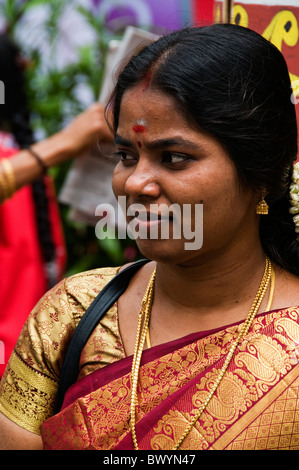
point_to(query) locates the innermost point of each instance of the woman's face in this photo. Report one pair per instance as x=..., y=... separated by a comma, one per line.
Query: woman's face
x=166, y=163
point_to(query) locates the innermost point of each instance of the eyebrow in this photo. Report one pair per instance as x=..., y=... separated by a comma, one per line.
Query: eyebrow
x=159, y=143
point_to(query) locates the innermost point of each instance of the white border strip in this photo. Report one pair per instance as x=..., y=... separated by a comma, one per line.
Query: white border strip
x=286, y=4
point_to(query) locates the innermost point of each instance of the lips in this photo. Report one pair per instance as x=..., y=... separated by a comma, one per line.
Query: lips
x=152, y=217
x=147, y=216
x=154, y=222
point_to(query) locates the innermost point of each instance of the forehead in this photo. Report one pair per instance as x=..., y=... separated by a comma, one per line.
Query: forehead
x=150, y=109
x=152, y=119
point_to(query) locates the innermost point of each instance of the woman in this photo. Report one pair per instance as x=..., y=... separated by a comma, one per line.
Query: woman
x=32, y=250
x=201, y=350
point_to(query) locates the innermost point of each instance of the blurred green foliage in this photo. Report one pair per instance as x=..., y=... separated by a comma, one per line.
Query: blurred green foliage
x=54, y=100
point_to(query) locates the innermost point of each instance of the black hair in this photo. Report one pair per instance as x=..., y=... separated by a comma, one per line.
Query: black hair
x=233, y=84
x=15, y=118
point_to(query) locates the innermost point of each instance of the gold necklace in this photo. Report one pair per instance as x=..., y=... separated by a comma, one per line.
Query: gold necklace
x=143, y=320
x=268, y=307
x=142, y=332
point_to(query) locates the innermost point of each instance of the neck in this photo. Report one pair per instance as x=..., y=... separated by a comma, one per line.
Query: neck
x=214, y=293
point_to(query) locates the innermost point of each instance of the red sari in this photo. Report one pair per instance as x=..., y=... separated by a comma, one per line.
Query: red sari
x=22, y=269
x=256, y=405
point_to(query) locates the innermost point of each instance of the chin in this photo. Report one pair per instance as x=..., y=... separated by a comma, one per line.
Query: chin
x=166, y=251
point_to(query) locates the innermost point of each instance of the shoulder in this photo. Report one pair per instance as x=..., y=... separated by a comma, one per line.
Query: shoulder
x=53, y=320
x=81, y=289
x=86, y=285
x=76, y=292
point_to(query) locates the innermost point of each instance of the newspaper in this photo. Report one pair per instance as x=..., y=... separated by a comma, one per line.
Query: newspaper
x=88, y=182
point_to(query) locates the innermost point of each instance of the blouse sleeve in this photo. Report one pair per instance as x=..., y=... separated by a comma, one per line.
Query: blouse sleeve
x=29, y=384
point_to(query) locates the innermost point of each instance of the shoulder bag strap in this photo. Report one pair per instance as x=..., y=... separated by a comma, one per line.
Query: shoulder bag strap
x=101, y=304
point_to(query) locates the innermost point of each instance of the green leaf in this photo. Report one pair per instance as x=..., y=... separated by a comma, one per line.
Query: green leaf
x=27, y=5
x=113, y=248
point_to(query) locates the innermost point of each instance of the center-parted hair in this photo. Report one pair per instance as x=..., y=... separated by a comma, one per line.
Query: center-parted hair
x=232, y=83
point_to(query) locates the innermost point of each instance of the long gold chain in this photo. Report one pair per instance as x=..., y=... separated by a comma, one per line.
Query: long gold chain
x=142, y=331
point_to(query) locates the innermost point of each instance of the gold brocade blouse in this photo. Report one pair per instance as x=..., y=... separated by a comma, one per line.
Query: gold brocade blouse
x=29, y=384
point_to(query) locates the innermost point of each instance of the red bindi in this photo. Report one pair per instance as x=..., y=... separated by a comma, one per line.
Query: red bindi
x=139, y=144
x=139, y=128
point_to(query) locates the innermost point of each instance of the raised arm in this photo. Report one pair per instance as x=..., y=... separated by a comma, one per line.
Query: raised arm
x=71, y=142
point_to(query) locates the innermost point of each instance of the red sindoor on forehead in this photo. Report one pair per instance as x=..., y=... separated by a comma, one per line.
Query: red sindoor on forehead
x=146, y=80
x=139, y=128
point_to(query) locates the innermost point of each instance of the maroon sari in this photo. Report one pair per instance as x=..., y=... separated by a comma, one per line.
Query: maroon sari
x=256, y=405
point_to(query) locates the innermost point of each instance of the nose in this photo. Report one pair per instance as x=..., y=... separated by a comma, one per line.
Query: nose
x=143, y=182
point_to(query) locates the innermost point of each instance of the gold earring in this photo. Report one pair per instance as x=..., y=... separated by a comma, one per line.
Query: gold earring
x=262, y=207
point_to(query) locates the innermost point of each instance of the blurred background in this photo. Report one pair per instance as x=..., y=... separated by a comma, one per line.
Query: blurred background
x=64, y=45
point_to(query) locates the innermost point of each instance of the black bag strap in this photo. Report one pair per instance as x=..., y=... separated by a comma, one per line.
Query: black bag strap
x=100, y=305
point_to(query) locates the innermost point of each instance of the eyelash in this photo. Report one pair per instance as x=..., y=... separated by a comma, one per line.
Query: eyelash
x=120, y=154
x=166, y=155
x=183, y=158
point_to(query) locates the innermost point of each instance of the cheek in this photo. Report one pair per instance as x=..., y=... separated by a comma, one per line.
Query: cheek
x=218, y=192
x=118, y=181
x=227, y=211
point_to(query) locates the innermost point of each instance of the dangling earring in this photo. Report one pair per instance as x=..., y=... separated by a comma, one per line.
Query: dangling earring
x=262, y=207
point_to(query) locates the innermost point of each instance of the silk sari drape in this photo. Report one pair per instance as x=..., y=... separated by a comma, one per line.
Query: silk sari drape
x=256, y=405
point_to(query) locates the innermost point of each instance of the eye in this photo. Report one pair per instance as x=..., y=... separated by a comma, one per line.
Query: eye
x=124, y=156
x=172, y=157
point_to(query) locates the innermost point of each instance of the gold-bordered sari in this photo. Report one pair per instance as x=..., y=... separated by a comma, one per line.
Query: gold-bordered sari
x=256, y=405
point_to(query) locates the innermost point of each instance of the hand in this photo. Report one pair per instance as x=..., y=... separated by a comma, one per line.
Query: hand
x=78, y=137
x=86, y=129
